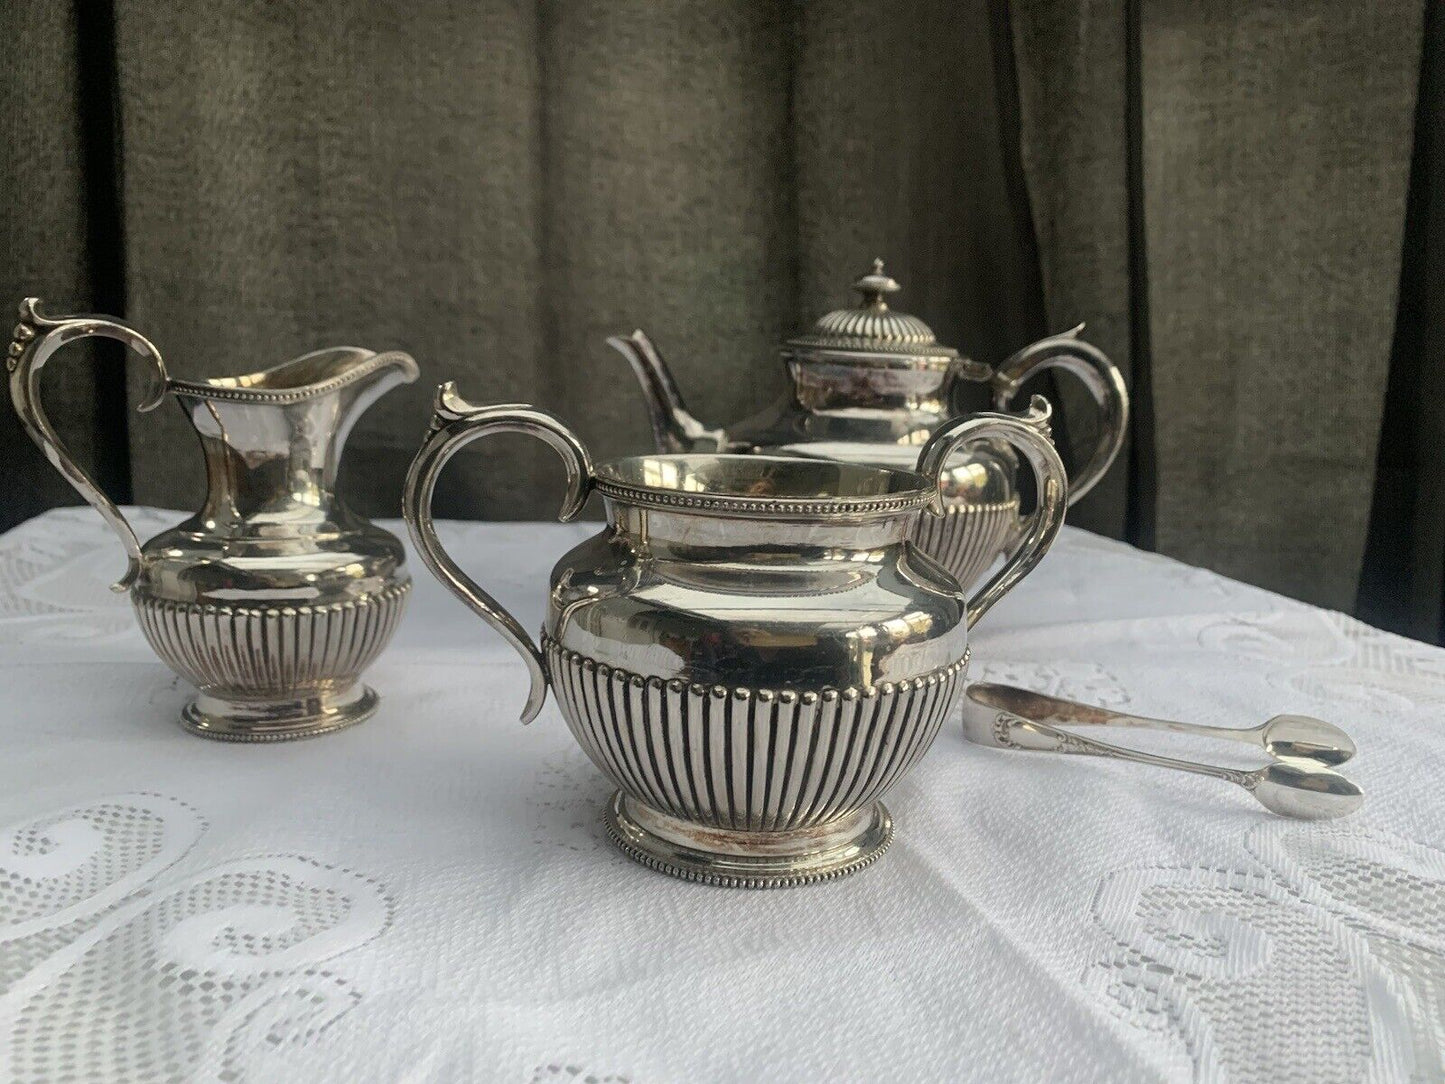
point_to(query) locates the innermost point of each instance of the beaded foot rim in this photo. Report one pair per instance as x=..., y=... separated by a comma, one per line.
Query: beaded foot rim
x=656, y=854
x=286, y=728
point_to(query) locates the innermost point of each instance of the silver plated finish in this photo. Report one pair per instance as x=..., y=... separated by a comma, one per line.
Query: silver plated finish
x=752, y=650
x=871, y=385
x=1298, y=737
x=274, y=597
x=1298, y=782
x=754, y=859
x=968, y=537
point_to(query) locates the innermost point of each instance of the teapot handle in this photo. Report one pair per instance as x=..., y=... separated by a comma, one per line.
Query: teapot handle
x=1099, y=375
x=1028, y=434
x=33, y=341
x=455, y=424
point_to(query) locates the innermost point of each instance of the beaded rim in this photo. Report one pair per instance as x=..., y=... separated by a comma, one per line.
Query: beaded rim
x=729, y=880
x=821, y=349
x=827, y=693
x=371, y=362
x=763, y=507
x=193, y=722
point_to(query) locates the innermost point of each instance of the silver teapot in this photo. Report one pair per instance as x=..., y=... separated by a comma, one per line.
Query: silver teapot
x=274, y=597
x=871, y=385
x=751, y=650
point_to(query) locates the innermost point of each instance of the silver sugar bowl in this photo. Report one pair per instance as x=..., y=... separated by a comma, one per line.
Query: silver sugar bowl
x=274, y=597
x=870, y=384
x=751, y=650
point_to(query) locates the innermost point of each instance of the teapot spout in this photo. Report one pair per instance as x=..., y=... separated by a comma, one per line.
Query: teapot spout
x=673, y=428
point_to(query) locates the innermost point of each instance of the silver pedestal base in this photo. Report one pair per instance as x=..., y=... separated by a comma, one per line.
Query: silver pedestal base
x=279, y=720
x=739, y=859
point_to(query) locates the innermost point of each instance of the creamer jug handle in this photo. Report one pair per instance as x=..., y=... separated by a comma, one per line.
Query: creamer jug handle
x=33, y=341
x=455, y=424
x=1028, y=434
x=1099, y=375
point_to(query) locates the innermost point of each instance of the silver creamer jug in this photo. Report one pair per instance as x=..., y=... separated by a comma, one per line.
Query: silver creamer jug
x=274, y=597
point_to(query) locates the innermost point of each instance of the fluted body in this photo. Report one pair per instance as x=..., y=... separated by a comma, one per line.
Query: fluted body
x=758, y=760
x=260, y=655
x=273, y=597
x=753, y=650
x=969, y=537
x=753, y=675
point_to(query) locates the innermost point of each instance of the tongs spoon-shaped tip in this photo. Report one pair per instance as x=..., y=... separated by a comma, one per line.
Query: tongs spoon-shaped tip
x=1306, y=789
x=1305, y=737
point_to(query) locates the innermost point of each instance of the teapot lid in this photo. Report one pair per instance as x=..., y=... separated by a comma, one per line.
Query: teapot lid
x=872, y=328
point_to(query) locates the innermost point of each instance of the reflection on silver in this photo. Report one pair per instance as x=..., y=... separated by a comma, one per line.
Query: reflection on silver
x=752, y=650
x=968, y=537
x=1282, y=736
x=1298, y=781
x=274, y=597
x=871, y=385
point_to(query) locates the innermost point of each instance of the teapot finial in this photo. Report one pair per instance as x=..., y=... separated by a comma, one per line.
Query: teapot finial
x=874, y=287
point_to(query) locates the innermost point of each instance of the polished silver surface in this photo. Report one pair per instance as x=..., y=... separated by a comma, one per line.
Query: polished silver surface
x=1292, y=785
x=274, y=597
x=871, y=385
x=968, y=537
x=669, y=739
x=1300, y=737
x=751, y=650
x=754, y=859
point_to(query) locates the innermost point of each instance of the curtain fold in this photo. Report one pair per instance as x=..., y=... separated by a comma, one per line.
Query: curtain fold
x=1276, y=155
x=1403, y=583
x=1072, y=59
x=1217, y=190
x=49, y=230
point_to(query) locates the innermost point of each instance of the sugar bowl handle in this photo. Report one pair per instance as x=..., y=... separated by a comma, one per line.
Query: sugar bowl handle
x=1028, y=434
x=33, y=341
x=1099, y=375
x=456, y=423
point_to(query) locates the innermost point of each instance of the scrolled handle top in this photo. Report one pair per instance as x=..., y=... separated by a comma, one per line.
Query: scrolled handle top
x=456, y=423
x=933, y=459
x=35, y=339
x=450, y=411
x=449, y=406
x=1100, y=377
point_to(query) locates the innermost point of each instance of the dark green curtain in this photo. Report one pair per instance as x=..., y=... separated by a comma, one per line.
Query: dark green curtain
x=1402, y=586
x=1219, y=190
x=59, y=232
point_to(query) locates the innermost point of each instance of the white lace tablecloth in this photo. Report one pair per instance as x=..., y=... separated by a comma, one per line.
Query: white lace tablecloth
x=431, y=897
